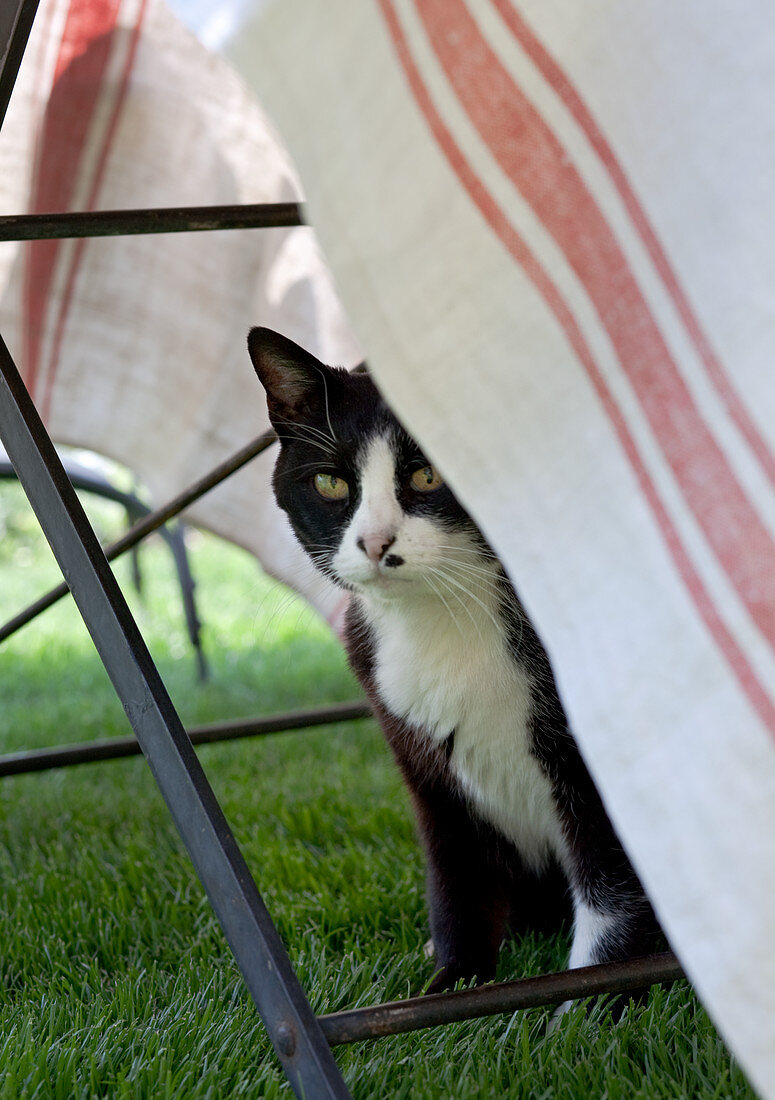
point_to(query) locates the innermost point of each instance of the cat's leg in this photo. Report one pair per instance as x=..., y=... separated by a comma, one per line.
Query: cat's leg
x=466, y=885
x=619, y=927
x=612, y=918
x=612, y=924
x=540, y=900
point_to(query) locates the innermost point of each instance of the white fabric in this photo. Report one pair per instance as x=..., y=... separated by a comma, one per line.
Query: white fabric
x=136, y=346
x=560, y=264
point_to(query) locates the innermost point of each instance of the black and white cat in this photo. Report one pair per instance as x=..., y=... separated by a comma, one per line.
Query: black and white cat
x=514, y=831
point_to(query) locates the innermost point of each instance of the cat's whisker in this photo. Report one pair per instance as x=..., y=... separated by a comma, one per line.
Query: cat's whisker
x=437, y=592
x=492, y=584
x=484, y=577
x=487, y=596
x=481, y=578
x=471, y=595
x=479, y=552
x=326, y=437
x=321, y=446
x=325, y=448
x=264, y=621
x=307, y=433
x=322, y=548
x=316, y=466
x=324, y=376
x=442, y=578
x=310, y=429
x=321, y=559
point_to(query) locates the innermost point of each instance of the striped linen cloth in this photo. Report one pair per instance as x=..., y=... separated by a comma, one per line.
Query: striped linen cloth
x=135, y=346
x=552, y=226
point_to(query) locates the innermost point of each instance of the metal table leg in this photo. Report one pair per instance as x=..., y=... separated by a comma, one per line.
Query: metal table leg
x=293, y=1029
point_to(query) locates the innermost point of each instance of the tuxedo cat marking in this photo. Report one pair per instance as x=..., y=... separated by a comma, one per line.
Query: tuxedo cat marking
x=515, y=834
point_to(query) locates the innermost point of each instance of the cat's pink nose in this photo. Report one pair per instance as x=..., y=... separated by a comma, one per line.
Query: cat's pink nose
x=376, y=545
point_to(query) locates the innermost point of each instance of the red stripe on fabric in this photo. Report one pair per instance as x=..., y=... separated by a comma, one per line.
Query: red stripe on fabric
x=36, y=62
x=77, y=256
x=559, y=80
x=519, y=250
x=538, y=166
x=84, y=51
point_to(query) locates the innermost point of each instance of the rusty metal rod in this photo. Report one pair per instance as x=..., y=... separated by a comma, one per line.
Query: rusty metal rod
x=148, y=524
x=176, y=219
x=20, y=763
x=352, y=1025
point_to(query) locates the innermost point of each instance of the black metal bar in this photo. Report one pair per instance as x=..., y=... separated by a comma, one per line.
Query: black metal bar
x=292, y=1026
x=490, y=1000
x=15, y=26
x=148, y=524
x=32, y=611
x=176, y=541
x=176, y=219
x=20, y=763
x=92, y=481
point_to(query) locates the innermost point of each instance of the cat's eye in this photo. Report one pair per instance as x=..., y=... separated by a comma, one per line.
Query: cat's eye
x=426, y=479
x=331, y=487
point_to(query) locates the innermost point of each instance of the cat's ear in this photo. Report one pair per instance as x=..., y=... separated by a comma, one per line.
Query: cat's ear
x=291, y=376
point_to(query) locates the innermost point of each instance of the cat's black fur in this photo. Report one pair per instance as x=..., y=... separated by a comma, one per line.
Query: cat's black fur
x=479, y=883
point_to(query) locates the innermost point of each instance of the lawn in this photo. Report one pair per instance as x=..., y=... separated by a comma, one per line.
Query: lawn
x=115, y=980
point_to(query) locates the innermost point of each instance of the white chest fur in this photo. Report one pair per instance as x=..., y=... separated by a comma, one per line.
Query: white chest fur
x=442, y=674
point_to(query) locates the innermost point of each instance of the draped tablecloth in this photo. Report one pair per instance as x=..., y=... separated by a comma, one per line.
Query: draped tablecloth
x=135, y=346
x=552, y=225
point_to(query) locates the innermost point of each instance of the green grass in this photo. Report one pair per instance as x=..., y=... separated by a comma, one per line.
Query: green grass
x=115, y=980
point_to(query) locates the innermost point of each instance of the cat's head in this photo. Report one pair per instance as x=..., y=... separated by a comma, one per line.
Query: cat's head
x=366, y=504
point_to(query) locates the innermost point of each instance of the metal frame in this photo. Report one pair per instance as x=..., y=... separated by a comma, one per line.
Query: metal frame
x=302, y=1041
x=115, y=748
x=94, y=481
x=148, y=524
